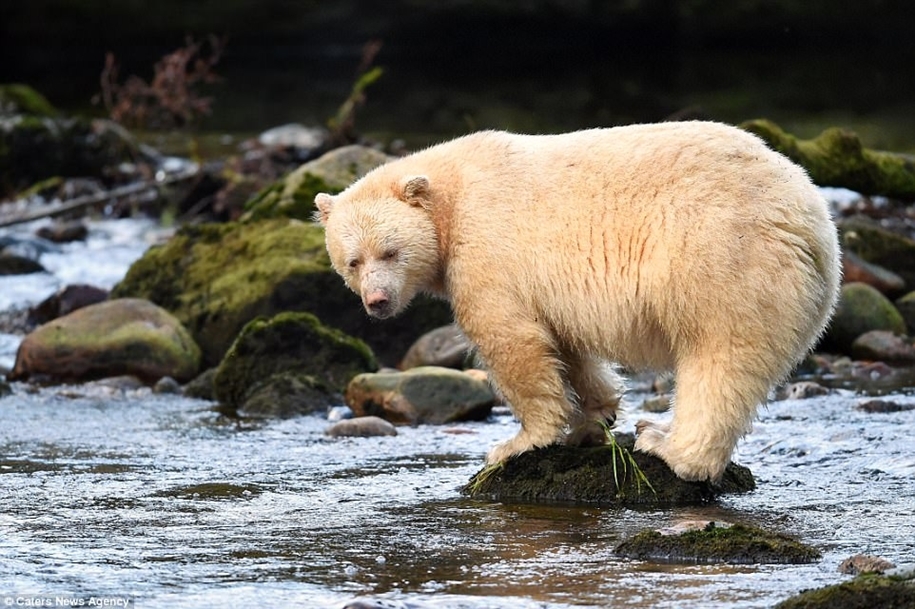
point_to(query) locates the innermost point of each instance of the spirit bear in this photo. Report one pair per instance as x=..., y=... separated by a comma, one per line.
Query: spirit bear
x=687, y=246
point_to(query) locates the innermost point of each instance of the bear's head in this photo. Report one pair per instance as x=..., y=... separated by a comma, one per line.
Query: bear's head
x=381, y=240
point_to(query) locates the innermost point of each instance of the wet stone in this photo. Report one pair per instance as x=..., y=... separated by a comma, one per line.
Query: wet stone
x=864, y=563
x=361, y=427
x=868, y=591
x=602, y=476
x=884, y=406
x=713, y=544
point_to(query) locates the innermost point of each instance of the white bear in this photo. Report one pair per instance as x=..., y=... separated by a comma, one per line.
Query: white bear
x=687, y=246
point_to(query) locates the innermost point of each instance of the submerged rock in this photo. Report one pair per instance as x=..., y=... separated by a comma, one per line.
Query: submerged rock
x=13, y=264
x=868, y=591
x=428, y=394
x=864, y=563
x=117, y=337
x=731, y=544
x=603, y=475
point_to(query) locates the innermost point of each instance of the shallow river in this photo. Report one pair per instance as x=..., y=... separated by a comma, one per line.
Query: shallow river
x=122, y=494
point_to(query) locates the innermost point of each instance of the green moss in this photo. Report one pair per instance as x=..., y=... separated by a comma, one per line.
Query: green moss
x=293, y=196
x=23, y=99
x=867, y=591
x=861, y=309
x=594, y=476
x=879, y=246
x=737, y=544
x=217, y=278
x=290, y=342
x=838, y=158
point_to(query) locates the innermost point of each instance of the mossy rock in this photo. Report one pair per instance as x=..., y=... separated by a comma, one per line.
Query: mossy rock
x=602, y=475
x=34, y=148
x=861, y=309
x=216, y=278
x=906, y=308
x=837, y=157
x=736, y=544
x=285, y=395
x=22, y=99
x=294, y=195
x=295, y=343
x=868, y=591
x=879, y=246
x=112, y=338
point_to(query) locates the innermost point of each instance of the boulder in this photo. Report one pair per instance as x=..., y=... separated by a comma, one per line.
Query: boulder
x=446, y=347
x=288, y=364
x=216, y=278
x=714, y=544
x=117, y=337
x=14, y=264
x=420, y=395
x=611, y=475
x=861, y=309
x=294, y=195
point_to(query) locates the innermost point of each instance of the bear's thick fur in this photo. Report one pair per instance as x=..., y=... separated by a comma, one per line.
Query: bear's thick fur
x=686, y=246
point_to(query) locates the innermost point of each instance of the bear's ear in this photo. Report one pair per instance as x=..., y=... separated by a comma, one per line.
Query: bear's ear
x=415, y=190
x=324, y=202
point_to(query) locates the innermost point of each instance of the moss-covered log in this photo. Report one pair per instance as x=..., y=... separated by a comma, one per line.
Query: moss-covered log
x=602, y=475
x=837, y=157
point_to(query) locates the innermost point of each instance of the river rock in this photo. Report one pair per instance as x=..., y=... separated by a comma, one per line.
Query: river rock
x=33, y=148
x=906, y=307
x=201, y=386
x=12, y=264
x=877, y=245
x=600, y=475
x=64, y=232
x=361, y=427
x=446, y=347
x=312, y=361
x=861, y=309
x=294, y=195
x=714, y=544
x=126, y=336
x=864, y=563
x=284, y=395
x=883, y=346
x=66, y=300
x=868, y=591
x=215, y=278
x=427, y=394
x=854, y=269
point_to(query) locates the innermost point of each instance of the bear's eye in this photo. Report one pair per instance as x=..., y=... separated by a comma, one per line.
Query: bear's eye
x=353, y=264
x=389, y=255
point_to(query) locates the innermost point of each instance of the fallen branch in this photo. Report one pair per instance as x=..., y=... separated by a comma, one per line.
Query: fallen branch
x=108, y=196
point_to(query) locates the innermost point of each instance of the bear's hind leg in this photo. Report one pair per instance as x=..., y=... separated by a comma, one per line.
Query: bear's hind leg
x=713, y=408
x=523, y=364
x=598, y=389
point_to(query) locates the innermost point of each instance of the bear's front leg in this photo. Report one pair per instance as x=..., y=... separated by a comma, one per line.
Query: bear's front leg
x=524, y=367
x=597, y=389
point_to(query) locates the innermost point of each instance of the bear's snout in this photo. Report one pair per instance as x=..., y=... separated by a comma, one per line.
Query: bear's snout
x=377, y=304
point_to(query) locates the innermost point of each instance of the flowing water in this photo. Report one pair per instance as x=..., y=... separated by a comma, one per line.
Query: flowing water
x=118, y=494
